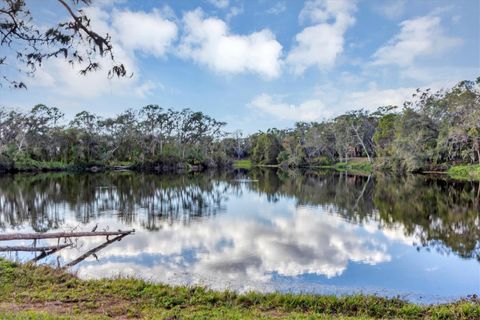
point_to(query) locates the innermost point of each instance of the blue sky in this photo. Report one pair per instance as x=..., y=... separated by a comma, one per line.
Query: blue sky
x=259, y=63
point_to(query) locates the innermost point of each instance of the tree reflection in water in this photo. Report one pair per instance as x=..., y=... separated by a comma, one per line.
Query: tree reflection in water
x=441, y=213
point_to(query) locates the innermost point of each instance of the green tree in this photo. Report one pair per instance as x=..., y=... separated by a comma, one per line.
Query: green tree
x=266, y=149
x=385, y=134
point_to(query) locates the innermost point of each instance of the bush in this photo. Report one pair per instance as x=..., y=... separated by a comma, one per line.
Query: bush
x=283, y=158
x=321, y=161
x=6, y=163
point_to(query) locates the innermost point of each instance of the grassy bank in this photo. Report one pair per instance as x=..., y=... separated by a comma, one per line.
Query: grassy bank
x=465, y=172
x=33, y=165
x=30, y=165
x=242, y=164
x=40, y=291
x=356, y=165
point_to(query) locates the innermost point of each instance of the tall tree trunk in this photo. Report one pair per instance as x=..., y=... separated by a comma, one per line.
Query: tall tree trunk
x=361, y=142
x=476, y=147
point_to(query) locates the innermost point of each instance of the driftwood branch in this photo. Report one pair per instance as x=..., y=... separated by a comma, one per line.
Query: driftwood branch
x=34, y=249
x=94, y=250
x=45, y=254
x=35, y=236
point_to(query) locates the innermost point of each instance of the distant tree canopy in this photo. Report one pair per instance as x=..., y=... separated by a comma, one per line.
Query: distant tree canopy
x=431, y=132
x=151, y=135
x=24, y=42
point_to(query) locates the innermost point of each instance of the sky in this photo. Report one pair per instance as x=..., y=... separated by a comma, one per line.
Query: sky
x=258, y=64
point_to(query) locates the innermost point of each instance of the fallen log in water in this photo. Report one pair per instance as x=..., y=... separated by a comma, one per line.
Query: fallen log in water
x=94, y=251
x=55, y=235
x=34, y=249
x=45, y=254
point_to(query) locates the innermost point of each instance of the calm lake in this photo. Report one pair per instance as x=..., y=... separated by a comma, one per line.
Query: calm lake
x=416, y=236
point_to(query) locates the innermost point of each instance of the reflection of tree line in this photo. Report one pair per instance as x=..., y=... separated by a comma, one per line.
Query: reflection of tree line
x=442, y=214
x=447, y=213
x=344, y=193
x=41, y=200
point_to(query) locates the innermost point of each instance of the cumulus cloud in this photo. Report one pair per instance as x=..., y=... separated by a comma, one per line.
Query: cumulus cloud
x=375, y=97
x=346, y=99
x=321, y=11
x=329, y=101
x=208, y=41
x=418, y=37
x=66, y=79
x=148, y=32
x=310, y=110
x=320, y=44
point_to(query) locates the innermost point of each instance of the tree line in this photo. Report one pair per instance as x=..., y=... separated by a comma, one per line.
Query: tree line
x=150, y=136
x=430, y=132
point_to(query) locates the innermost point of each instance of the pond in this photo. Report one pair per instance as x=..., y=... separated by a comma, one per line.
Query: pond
x=417, y=237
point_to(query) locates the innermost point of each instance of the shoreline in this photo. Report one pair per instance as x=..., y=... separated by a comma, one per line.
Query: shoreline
x=41, y=291
x=470, y=172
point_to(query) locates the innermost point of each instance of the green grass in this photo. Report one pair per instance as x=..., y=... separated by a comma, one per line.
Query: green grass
x=356, y=165
x=40, y=292
x=465, y=172
x=121, y=163
x=34, y=165
x=242, y=164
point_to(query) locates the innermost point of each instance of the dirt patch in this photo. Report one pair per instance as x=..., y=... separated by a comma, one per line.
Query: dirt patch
x=111, y=309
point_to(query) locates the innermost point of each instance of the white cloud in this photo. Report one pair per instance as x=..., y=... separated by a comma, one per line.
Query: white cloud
x=316, y=46
x=66, y=79
x=147, y=88
x=375, y=97
x=278, y=8
x=208, y=41
x=148, y=32
x=234, y=11
x=330, y=100
x=322, y=11
x=320, y=45
x=391, y=9
x=41, y=78
x=311, y=110
x=221, y=4
x=418, y=37
x=444, y=76
x=342, y=99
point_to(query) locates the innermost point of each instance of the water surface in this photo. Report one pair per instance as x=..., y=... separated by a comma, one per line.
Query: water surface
x=416, y=236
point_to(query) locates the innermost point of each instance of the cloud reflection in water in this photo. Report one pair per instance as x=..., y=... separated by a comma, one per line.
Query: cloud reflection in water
x=231, y=251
